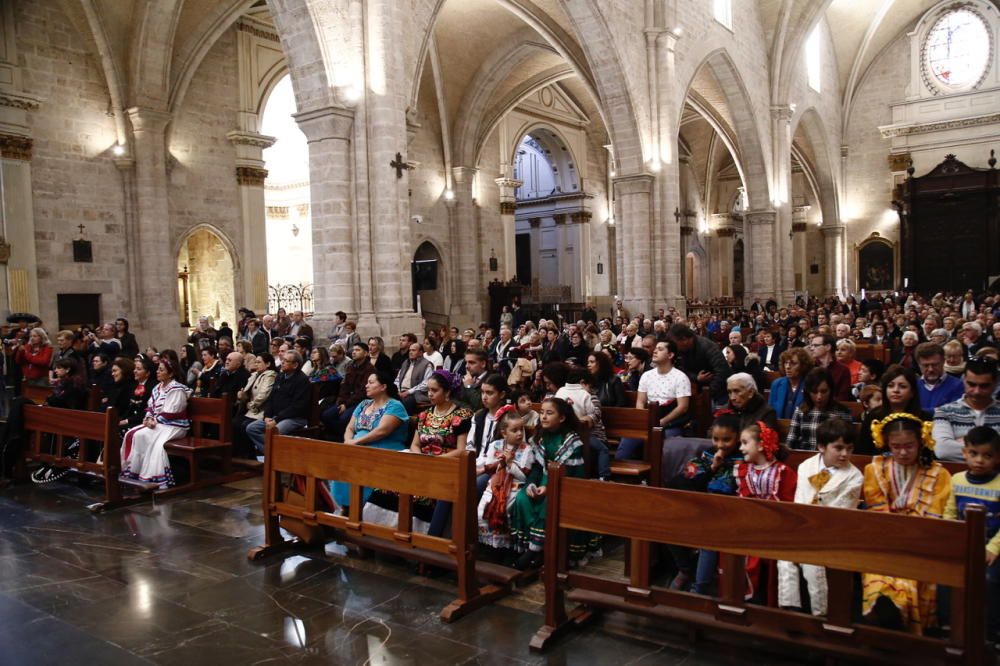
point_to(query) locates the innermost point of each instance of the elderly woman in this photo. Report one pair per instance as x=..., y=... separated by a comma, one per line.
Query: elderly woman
x=143, y=455
x=34, y=358
x=379, y=421
x=954, y=358
x=787, y=392
x=747, y=403
x=845, y=352
x=906, y=356
x=339, y=358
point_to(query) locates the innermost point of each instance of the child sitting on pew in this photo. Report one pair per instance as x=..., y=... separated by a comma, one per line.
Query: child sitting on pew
x=762, y=475
x=827, y=479
x=522, y=400
x=509, y=460
x=909, y=482
x=710, y=472
x=981, y=485
x=871, y=399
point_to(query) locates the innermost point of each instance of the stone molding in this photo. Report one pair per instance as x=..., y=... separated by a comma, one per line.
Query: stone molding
x=898, y=161
x=16, y=147
x=326, y=122
x=253, y=176
x=580, y=217
x=892, y=131
x=833, y=230
x=725, y=232
x=560, y=218
x=148, y=120
x=782, y=112
x=641, y=183
x=760, y=217
x=257, y=30
x=17, y=101
x=512, y=183
x=4, y=251
x=240, y=138
x=799, y=227
x=508, y=207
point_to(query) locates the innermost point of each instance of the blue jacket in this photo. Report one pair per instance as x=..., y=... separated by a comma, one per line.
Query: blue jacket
x=780, y=390
x=949, y=390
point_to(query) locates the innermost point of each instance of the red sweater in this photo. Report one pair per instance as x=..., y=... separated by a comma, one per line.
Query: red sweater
x=34, y=364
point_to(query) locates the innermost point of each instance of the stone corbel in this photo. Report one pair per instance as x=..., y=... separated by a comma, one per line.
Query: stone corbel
x=253, y=176
x=4, y=251
x=16, y=147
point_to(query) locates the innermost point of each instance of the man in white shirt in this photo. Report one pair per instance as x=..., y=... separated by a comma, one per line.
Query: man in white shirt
x=665, y=386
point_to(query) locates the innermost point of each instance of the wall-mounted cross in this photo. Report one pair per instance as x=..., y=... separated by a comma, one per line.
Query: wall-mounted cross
x=399, y=165
x=81, y=228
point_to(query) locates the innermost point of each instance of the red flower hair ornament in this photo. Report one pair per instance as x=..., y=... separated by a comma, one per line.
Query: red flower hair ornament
x=768, y=440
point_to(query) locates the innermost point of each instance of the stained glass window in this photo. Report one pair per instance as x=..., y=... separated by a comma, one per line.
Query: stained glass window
x=958, y=49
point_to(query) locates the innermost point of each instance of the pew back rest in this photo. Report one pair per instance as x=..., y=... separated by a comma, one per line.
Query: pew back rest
x=211, y=411
x=861, y=541
x=797, y=456
x=629, y=422
x=93, y=426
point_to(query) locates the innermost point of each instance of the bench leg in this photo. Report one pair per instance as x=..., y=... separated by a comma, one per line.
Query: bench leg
x=543, y=637
x=261, y=552
x=458, y=608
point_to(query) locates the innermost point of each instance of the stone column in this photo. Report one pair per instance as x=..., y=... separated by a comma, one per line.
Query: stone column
x=726, y=237
x=799, y=226
x=158, y=265
x=336, y=264
x=833, y=250
x=763, y=278
x=250, y=175
x=467, y=299
x=633, y=217
x=508, y=207
x=780, y=245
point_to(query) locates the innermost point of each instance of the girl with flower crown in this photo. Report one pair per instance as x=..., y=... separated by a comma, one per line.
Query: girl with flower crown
x=910, y=482
x=762, y=475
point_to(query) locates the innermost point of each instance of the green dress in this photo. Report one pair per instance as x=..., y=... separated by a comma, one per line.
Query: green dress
x=527, y=515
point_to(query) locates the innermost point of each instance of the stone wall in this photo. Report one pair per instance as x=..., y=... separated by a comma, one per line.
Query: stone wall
x=74, y=178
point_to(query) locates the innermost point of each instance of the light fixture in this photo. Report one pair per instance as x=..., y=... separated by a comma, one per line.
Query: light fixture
x=352, y=94
x=600, y=266
x=449, y=195
x=295, y=230
x=494, y=264
x=118, y=149
x=655, y=166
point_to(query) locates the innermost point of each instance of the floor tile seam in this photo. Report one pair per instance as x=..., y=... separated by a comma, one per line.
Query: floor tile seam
x=39, y=553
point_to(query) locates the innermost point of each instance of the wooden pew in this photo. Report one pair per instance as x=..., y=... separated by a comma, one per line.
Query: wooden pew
x=50, y=429
x=863, y=352
x=443, y=478
x=621, y=422
x=36, y=394
x=214, y=442
x=845, y=541
x=797, y=456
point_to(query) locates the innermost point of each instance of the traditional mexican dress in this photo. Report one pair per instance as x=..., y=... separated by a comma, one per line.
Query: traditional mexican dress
x=437, y=435
x=527, y=514
x=366, y=420
x=143, y=455
x=503, y=486
x=776, y=482
x=911, y=491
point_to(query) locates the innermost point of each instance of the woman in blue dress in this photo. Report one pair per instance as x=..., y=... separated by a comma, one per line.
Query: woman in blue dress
x=379, y=421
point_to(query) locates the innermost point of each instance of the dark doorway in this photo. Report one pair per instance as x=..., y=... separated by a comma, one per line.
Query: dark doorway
x=522, y=251
x=738, y=283
x=76, y=310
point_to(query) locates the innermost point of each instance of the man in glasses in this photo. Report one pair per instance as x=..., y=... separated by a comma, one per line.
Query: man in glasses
x=976, y=407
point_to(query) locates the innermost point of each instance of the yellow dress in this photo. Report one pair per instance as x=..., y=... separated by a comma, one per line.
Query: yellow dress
x=917, y=491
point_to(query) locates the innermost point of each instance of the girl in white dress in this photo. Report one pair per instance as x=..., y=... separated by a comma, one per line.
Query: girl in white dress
x=143, y=455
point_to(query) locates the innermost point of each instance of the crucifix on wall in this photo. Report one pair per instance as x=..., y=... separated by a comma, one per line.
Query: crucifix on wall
x=399, y=165
x=83, y=251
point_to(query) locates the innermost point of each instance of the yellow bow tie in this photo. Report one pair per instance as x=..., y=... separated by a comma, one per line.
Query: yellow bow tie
x=817, y=481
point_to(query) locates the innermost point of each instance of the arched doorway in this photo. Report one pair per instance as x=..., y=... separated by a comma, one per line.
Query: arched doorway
x=286, y=194
x=207, y=278
x=429, y=284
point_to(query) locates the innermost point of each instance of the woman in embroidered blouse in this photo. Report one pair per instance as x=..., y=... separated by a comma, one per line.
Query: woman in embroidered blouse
x=787, y=392
x=143, y=455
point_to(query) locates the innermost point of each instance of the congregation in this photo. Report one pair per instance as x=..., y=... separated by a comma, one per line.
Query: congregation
x=773, y=379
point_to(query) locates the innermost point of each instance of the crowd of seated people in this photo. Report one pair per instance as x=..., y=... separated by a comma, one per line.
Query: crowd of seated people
x=919, y=375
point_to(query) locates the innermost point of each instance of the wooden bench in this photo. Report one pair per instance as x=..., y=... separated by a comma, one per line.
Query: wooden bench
x=36, y=394
x=449, y=479
x=938, y=551
x=212, y=442
x=50, y=429
x=863, y=352
x=644, y=424
x=797, y=456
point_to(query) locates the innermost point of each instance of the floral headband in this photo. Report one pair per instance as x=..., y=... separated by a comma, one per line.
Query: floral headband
x=925, y=429
x=768, y=440
x=452, y=381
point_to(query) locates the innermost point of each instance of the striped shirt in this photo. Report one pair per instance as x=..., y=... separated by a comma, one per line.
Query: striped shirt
x=954, y=420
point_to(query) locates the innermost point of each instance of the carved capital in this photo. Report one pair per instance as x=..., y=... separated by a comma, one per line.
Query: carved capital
x=508, y=207
x=4, y=251
x=18, y=101
x=252, y=176
x=760, y=217
x=535, y=222
x=799, y=227
x=782, y=112
x=238, y=138
x=725, y=232
x=580, y=217
x=898, y=161
x=512, y=183
x=638, y=184
x=328, y=122
x=560, y=218
x=15, y=147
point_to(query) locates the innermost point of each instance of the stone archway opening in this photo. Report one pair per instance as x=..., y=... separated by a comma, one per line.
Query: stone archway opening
x=429, y=294
x=206, y=279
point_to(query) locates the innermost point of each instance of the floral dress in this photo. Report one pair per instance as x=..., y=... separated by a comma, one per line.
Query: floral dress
x=502, y=489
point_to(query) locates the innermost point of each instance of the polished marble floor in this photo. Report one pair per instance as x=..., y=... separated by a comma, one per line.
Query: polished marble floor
x=170, y=584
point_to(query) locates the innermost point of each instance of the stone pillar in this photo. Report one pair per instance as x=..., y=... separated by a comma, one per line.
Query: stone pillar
x=250, y=175
x=633, y=217
x=467, y=299
x=833, y=251
x=158, y=265
x=726, y=237
x=508, y=207
x=336, y=264
x=780, y=245
x=799, y=262
x=763, y=278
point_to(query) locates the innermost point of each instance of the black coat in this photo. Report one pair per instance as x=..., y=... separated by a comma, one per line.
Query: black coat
x=289, y=397
x=706, y=355
x=230, y=382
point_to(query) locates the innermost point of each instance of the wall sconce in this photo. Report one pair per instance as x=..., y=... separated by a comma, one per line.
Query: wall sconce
x=494, y=264
x=600, y=266
x=295, y=230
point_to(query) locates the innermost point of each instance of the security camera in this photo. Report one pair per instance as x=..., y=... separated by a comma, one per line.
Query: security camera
x=417, y=219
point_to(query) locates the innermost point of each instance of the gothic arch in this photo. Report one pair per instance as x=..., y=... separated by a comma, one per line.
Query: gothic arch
x=823, y=169
x=544, y=129
x=217, y=232
x=437, y=300
x=750, y=154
